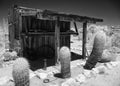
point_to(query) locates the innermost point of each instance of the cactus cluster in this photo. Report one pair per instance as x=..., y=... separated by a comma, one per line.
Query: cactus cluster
x=21, y=72
x=98, y=47
x=65, y=58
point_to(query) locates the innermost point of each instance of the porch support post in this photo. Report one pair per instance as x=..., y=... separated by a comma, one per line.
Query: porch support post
x=84, y=40
x=57, y=40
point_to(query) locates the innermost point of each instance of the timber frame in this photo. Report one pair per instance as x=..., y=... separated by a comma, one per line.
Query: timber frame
x=57, y=16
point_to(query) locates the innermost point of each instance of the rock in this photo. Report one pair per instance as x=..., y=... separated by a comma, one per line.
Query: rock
x=82, y=63
x=95, y=70
x=42, y=75
x=64, y=84
x=80, y=78
x=114, y=64
x=69, y=82
x=108, y=65
x=101, y=69
x=87, y=73
x=32, y=75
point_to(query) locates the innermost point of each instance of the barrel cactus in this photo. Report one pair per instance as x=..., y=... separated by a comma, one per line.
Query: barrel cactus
x=65, y=58
x=21, y=72
x=98, y=47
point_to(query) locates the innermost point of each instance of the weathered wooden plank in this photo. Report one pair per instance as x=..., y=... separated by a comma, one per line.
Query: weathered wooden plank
x=76, y=29
x=48, y=33
x=21, y=37
x=57, y=40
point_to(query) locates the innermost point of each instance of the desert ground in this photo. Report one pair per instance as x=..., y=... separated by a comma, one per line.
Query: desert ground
x=104, y=74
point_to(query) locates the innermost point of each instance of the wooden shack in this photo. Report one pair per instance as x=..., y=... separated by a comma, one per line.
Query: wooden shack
x=40, y=33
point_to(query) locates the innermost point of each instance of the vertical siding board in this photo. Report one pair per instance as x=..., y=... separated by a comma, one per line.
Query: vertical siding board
x=29, y=23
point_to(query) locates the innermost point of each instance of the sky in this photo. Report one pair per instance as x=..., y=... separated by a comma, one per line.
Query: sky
x=108, y=10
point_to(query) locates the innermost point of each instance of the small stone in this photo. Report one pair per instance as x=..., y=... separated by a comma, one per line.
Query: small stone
x=93, y=73
x=114, y=64
x=64, y=84
x=95, y=70
x=87, y=73
x=32, y=75
x=55, y=71
x=101, y=69
x=50, y=74
x=69, y=82
x=78, y=64
x=42, y=75
x=82, y=63
x=108, y=65
x=81, y=78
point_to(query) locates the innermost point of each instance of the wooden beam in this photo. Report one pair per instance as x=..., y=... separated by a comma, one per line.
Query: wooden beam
x=76, y=29
x=57, y=40
x=84, y=40
x=48, y=33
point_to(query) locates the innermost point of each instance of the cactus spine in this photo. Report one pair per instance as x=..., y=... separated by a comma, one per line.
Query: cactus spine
x=65, y=58
x=98, y=47
x=21, y=72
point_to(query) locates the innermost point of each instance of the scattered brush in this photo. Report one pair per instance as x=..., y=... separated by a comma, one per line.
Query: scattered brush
x=10, y=56
x=65, y=58
x=21, y=72
x=116, y=40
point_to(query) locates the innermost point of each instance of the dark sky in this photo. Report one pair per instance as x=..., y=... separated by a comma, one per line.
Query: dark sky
x=109, y=10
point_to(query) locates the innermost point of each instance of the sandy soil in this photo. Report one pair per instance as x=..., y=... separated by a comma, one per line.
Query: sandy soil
x=111, y=77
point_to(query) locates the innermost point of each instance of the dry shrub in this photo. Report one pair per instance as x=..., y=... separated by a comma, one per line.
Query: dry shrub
x=116, y=40
x=115, y=50
x=10, y=56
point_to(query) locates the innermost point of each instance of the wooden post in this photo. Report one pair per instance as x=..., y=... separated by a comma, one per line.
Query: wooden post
x=57, y=40
x=84, y=40
x=21, y=40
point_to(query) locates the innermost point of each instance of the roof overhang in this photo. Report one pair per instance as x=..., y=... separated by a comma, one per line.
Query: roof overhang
x=52, y=15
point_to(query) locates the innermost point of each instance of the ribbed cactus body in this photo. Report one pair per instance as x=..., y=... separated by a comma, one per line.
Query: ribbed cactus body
x=21, y=72
x=65, y=58
x=98, y=47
